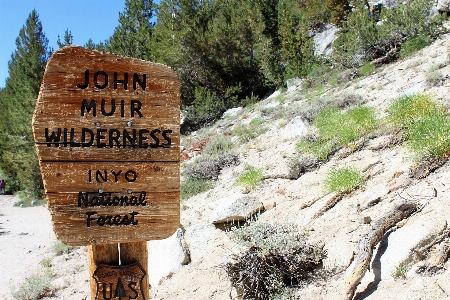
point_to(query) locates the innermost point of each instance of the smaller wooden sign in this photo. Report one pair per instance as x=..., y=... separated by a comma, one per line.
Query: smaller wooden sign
x=119, y=282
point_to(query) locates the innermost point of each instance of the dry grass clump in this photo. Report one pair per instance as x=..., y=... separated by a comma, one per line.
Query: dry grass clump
x=34, y=286
x=276, y=256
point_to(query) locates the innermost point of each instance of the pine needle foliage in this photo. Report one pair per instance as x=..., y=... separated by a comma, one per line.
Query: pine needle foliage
x=18, y=159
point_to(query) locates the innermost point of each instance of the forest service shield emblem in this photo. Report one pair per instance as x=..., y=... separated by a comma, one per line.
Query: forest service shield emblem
x=119, y=282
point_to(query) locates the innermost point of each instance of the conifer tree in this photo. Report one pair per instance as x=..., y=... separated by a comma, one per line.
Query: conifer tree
x=17, y=153
x=134, y=34
x=68, y=39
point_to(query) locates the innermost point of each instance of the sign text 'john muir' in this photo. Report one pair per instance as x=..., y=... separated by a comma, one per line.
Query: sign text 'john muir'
x=106, y=130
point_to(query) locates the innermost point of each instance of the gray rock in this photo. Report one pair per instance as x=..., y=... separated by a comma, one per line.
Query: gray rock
x=443, y=5
x=297, y=127
x=417, y=232
x=293, y=81
x=417, y=88
x=236, y=207
x=324, y=40
x=339, y=254
x=200, y=240
x=59, y=284
x=36, y=246
x=232, y=112
x=166, y=256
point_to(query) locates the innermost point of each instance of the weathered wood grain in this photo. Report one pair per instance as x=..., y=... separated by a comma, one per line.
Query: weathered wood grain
x=73, y=177
x=101, y=254
x=52, y=154
x=147, y=103
x=365, y=246
x=158, y=219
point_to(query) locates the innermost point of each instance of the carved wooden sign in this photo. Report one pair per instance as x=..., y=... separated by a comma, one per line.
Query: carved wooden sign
x=106, y=129
x=117, y=282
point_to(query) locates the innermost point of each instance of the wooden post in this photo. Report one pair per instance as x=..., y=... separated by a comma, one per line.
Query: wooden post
x=136, y=252
x=107, y=135
x=101, y=254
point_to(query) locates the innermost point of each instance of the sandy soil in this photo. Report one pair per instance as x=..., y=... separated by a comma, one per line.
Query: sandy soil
x=26, y=238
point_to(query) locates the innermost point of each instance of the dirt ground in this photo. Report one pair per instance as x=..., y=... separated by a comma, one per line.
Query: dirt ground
x=27, y=238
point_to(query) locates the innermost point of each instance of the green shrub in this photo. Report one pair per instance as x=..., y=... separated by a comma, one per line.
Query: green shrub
x=34, y=286
x=408, y=109
x=250, y=178
x=254, y=129
x=413, y=45
x=345, y=128
x=193, y=186
x=434, y=78
x=429, y=137
x=400, y=271
x=60, y=248
x=209, y=167
x=361, y=40
x=275, y=256
x=26, y=200
x=343, y=180
x=218, y=144
x=320, y=149
x=367, y=69
x=46, y=262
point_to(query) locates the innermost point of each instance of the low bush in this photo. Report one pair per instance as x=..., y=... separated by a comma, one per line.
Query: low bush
x=367, y=69
x=413, y=45
x=429, y=137
x=320, y=149
x=218, y=144
x=209, y=167
x=192, y=186
x=254, y=129
x=362, y=39
x=275, y=256
x=35, y=286
x=347, y=127
x=434, y=78
x=250, y=178
x=344, y=179
x=406, y=110
x=60, y=248
x=25, y=200
x=46, y=262
x=400, y=271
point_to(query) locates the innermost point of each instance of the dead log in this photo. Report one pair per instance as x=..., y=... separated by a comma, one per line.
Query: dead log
x=330, y=204
x=365, y=246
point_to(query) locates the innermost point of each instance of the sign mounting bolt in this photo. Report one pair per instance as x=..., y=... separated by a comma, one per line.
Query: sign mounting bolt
x=129, y=123
x=97, y=124
x=129, y=191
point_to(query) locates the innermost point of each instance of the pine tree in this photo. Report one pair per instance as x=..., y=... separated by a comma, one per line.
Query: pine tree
x=68, y=39
x=102, y=46
x=18, y=158
x=134, y=34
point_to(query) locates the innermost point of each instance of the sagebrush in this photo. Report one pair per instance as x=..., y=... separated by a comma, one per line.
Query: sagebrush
x=275, y=256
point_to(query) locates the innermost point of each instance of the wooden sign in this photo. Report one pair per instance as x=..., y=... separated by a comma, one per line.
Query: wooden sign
x=119, y=282
x=106, y=129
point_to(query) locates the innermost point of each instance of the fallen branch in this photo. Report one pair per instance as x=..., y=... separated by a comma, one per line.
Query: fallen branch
x=329, y=205
x=423, y=250
x=367, y=243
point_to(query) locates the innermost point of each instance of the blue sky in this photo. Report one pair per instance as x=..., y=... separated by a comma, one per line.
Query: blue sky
x=86, y=19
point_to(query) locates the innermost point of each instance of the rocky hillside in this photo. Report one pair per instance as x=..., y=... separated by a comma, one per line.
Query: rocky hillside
x=386, y=237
